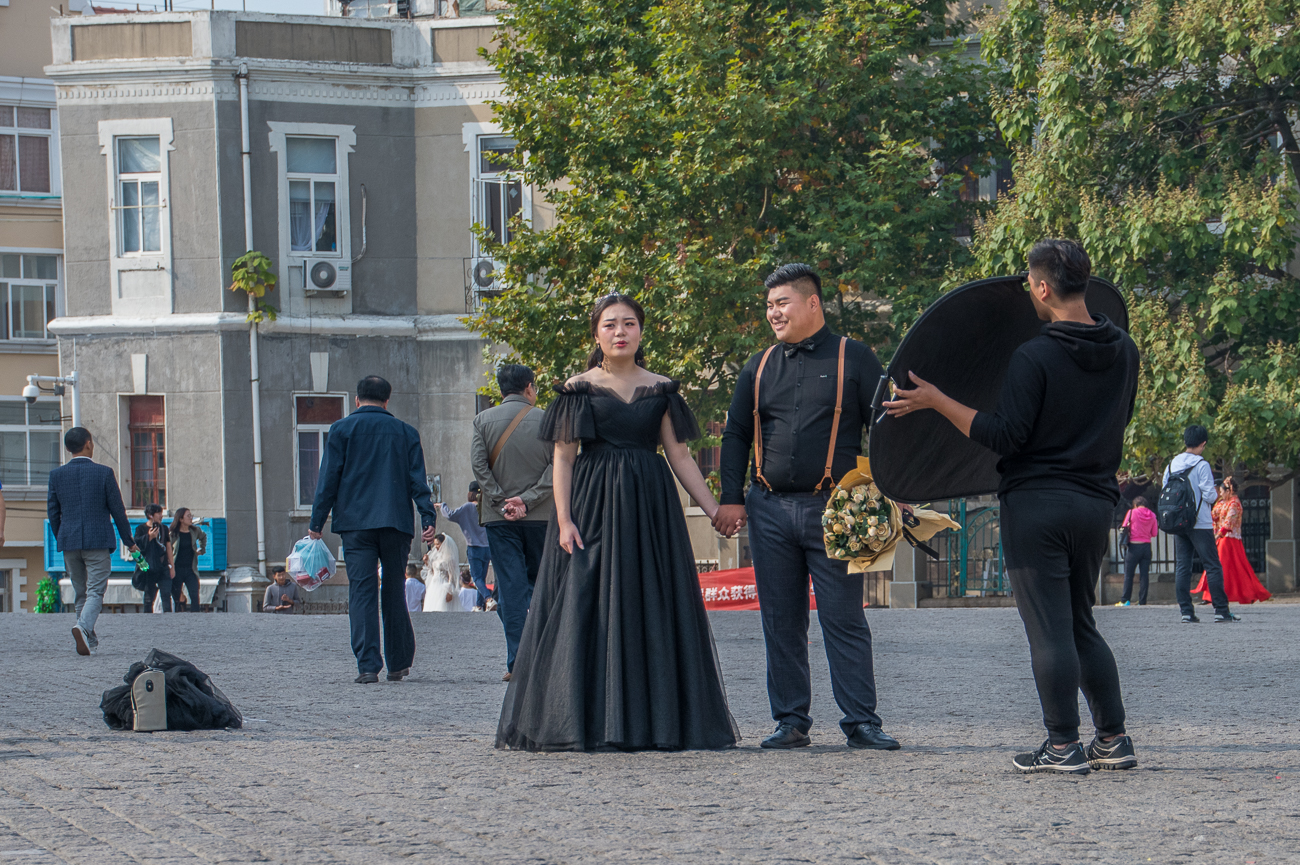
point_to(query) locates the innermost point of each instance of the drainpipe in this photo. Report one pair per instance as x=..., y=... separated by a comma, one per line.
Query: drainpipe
x=254, y=367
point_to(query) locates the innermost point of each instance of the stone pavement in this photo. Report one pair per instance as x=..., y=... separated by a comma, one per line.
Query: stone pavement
x=326, y=771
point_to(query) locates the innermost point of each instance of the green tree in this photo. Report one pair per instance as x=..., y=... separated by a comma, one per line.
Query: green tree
x=690, y=146
x=1159, y=134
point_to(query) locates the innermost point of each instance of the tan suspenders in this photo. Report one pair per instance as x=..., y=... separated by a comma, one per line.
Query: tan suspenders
x=835, y=421
x=505, y=436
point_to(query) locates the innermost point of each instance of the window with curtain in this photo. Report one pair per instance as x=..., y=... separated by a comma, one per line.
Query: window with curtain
x=139, y=204
x=312, y=416
x=25, y=141
x=312, y=167
x=29, y=286
x=498, y=196
x=29, y=441
x=146, y=433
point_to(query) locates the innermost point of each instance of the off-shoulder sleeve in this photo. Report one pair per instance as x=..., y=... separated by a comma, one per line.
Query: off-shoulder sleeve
x=685, y=427
x=568, y=418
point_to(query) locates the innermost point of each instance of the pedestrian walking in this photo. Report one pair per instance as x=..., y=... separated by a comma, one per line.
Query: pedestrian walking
x=154, y=541
x=414, y=589
x=802, y=405
x=1142, y=527
x=188, y=542
x=442, y=576
x=1239, y=581
x=477, y=551
x=282, y=595
x=1198, y=540
x=372, y=471
x=84, y=504
x=1059, y=426
x=513, y=468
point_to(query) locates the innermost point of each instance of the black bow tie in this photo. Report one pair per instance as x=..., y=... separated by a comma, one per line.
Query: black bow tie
x=791, y=349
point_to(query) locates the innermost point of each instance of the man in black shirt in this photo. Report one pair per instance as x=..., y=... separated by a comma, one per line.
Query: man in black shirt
x=814, y=392
x=1059, y=428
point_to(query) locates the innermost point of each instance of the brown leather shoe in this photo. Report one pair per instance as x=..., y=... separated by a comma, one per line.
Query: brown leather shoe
x=506, y=677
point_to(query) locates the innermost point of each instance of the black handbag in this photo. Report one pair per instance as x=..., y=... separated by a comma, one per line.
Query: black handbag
x=1123, y=539
x=137, y=580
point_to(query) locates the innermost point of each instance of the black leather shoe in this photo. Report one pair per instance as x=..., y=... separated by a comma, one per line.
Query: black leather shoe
x=871, y=736
x=786, y=736
x=399, y=675
x=367, y=679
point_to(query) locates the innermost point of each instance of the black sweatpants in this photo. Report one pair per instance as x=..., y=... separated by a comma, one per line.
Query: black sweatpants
x=1053, y=543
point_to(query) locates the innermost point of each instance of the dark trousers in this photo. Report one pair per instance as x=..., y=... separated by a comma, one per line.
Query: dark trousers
x=1053, y=543
x=1137, y=557
x=1198, y=542
x=365, y=550
x=188, y=580
x=479, y=559
x=158, y=581
x=516, y=556
x=785, y=539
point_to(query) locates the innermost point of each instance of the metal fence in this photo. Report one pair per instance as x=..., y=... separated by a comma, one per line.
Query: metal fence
x=970, y=558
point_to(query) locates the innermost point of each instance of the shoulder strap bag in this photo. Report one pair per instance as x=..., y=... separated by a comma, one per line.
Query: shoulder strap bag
x=505, y=436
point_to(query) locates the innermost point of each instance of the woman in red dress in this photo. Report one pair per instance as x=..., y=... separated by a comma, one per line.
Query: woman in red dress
x=1239, y=580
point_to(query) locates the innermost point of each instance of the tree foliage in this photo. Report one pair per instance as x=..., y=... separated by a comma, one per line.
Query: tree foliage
x=690, y=146
x=1159, y=134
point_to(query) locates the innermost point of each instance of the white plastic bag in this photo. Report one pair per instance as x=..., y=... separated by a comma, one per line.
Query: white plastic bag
x=311, y=563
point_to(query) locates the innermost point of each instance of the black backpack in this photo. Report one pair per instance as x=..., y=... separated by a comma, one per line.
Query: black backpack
x=1179, y=503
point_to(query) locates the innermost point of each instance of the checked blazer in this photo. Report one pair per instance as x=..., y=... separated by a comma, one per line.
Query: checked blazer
x=83, y=504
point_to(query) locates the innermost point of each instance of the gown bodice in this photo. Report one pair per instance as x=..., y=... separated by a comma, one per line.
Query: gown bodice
x=601, y=419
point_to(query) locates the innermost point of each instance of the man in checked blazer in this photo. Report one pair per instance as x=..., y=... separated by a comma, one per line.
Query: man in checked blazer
x=83, y=505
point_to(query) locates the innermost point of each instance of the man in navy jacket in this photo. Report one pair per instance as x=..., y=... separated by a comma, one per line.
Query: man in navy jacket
x=373, y=469
x=84, y=503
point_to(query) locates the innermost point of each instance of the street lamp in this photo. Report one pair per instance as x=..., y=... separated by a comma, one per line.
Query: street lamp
x=34, y=390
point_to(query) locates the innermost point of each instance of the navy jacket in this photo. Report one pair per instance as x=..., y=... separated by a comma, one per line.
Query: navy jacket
x=84, y=502
x=373, y=469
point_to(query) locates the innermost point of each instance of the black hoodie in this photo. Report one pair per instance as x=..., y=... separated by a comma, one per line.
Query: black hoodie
x=1065, y=402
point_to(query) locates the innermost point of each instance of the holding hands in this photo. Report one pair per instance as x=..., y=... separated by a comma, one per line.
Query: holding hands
x=729, y=519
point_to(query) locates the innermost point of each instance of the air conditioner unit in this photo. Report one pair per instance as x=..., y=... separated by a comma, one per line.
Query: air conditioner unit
x=484, y=277
x=327, y=275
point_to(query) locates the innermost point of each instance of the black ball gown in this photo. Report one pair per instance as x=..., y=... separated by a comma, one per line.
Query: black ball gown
x=617, y=653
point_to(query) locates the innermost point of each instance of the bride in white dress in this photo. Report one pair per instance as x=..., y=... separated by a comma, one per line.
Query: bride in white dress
x=442, y=576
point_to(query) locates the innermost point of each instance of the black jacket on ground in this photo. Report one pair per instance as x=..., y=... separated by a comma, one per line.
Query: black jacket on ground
x=1060, y=419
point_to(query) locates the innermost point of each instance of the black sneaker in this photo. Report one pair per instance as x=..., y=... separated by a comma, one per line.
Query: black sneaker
x=1226, y=617
x=1071, y=761
x=1191, y=620
x=1115, y=754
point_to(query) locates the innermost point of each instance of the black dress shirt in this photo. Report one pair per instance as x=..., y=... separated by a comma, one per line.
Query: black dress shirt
x=796, y=408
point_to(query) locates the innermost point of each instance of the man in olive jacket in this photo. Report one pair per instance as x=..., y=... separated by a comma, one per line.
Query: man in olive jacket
x=513, y=468
x=373, y=469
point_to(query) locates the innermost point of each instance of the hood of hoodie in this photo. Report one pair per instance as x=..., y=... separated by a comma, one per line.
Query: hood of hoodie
x=1093, y=347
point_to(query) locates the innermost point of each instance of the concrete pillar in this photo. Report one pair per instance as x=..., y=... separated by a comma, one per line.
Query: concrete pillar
x=244, y=589
x=909, y=586
x=1280, y=574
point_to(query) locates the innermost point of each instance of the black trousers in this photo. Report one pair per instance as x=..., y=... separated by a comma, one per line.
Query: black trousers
x=365, y=551
x=1137, y=557
x=158, y=581
x=1198, y=542
x=785, y=537
x=1054, y=542
x=188, y=580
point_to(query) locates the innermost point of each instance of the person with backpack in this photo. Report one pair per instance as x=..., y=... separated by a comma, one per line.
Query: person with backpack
x=1184, y=512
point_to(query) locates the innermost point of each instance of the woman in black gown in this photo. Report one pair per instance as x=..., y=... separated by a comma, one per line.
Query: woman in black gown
x=617, y=653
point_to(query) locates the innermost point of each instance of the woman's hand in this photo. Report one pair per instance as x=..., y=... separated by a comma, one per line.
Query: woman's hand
x=569, y=537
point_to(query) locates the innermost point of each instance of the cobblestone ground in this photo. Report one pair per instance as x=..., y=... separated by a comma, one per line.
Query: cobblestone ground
x=329, y=771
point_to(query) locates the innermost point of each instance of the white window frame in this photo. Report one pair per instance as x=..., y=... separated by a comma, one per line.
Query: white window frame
x=28, y=428
x=120, y=208
x=52, y=134
x=471, y=135
x=49, y=338
x=319, y=429
x=155, y=267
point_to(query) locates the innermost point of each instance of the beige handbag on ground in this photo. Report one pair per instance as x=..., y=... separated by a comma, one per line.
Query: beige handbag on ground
x=149, y=701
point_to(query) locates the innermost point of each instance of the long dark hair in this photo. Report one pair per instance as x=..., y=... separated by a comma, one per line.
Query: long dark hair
x=176, y=518
x=597, y=356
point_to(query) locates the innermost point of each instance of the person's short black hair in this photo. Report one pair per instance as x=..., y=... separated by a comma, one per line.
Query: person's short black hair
x=474, y=487
x=514, y=378
x=75, y=439
x=150, y=510
x=1064, y=265
x=278, y=569
x=1141, y=502
x=372, y=388
x=1195, y=435
x=801, y=277
x=412, y=570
